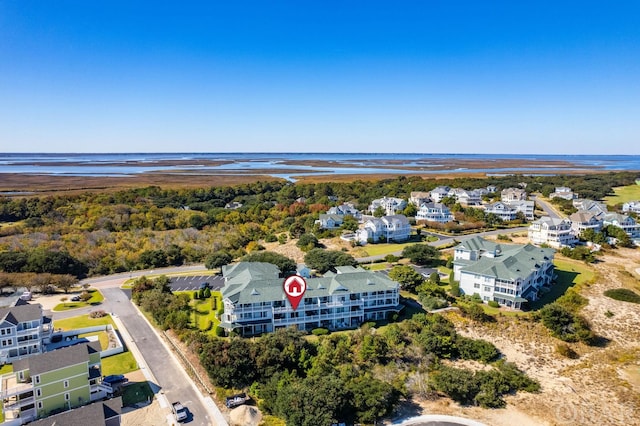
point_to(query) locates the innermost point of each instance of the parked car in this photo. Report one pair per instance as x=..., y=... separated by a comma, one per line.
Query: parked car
x=204, y=285
x=26, y=295
x=114, y=379
x=236, y=400
x=179, y=411
x=75, y=299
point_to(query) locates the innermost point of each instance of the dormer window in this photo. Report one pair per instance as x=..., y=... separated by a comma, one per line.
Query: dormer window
x=36, y=379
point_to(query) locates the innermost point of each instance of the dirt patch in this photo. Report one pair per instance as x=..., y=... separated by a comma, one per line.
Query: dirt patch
x=599, y=388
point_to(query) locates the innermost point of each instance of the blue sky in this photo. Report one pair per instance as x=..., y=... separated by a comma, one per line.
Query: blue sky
x=320, y=76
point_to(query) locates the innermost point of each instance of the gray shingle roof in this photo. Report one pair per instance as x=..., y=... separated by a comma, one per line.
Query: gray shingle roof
x=92, y=414
x=60, y=358
x=21, y=313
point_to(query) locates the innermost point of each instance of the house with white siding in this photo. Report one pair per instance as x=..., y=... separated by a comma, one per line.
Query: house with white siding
x=418, y=198
x=345, y=209
x=385, y=229
x=563, y=192
x=439, y=193
x=510, y=274
x=631, y=207
x=553, y=232
x=626, y=223
x=526, y=207
x=513, y=194
x=391, y=205
x=502, y=210
x=590, y=206
x=583, y=220
x=434, y=212
x=255, y=303
x=24, y=330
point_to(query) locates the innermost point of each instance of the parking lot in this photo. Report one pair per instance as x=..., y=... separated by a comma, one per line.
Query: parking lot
x=193, y=282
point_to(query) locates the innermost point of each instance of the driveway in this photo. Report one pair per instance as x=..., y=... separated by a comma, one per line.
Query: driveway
x=172, y=380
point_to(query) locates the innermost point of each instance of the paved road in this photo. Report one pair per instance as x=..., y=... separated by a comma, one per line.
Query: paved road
x=172, y=380
x=446, y=240
x=547, y=207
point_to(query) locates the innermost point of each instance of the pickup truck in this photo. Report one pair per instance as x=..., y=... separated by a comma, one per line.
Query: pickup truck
x=236, y=400
x=179, y=411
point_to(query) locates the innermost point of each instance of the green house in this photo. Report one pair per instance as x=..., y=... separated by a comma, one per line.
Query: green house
x=54, y=381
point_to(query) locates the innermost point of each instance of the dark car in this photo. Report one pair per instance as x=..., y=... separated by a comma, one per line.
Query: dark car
x=236, y=400
x=75, y=299
x=204, y=285
x=114, y=378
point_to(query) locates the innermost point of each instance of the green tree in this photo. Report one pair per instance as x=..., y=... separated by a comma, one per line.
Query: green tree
x=217, y=260
x=410, y=211
x=421, y=254
x=286, y=265
x=379, y=212
x=408, y=278
x=307, y=242
x=349, y=223
x=325, y=260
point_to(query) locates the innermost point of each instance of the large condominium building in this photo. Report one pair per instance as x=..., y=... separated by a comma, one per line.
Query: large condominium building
x=255, y=303
x=23, y=331
x=53, y=381
x=509, y=274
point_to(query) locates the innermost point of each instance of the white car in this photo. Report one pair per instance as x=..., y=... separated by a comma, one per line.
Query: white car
x=179, y=411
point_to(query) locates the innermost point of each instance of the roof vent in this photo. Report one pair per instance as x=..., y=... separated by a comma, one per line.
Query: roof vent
x=254, y=292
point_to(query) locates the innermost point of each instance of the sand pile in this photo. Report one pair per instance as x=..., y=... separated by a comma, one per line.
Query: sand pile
x=245, y=415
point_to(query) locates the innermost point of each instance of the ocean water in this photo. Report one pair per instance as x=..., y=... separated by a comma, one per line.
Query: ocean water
x=284, y=164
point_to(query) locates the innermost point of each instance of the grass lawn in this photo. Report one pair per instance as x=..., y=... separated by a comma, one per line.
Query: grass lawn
x=5, y=369
x=96, y=299
x=623, y=195
x=82, y=321
x=377, y=266
x=203, y=311
x=570, y=273
x=103, y=337
x=136, y=392
x=119, y=364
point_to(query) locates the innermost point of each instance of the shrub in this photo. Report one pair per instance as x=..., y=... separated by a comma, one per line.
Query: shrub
x=566, y=351
x=565, y=325
x=97, y=314
x=608, y=314
x=319, y=331
x=195, y=295
x=493, y=304
x=476, y=349
x=201, y=293
x=207, y=293
x=85, y=296
x=623, y=294
x=455, y=288
x=219, y=331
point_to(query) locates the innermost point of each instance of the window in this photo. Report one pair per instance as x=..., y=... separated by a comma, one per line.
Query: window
x=38, y=392
x=66, y=397
x=39, y=405
x=487, y=288
x=36, y=379
x=66, y=383
x=476, y=285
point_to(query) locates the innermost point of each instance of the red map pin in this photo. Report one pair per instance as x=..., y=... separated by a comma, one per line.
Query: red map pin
x=294, y=287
